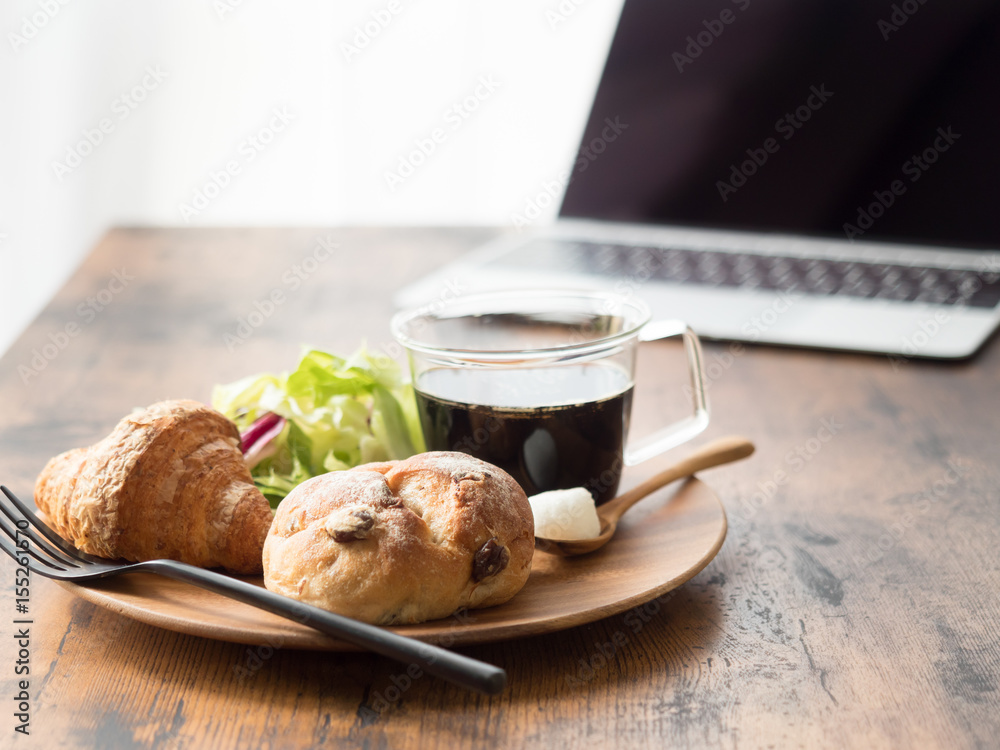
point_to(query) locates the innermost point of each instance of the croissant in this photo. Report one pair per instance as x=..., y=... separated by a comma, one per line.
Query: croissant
x=168, y=482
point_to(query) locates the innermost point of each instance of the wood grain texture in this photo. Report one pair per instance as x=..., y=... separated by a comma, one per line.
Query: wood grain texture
x=853, y=604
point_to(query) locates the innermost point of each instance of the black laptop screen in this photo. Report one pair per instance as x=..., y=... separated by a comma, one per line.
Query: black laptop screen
x=856, y=119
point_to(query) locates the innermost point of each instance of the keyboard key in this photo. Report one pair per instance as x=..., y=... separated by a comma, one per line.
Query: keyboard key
x=773, y=272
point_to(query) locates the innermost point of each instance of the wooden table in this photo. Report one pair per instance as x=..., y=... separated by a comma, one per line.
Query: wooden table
x=854, y=603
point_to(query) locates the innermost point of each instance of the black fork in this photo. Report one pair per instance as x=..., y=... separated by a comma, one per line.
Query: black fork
x=35, y=546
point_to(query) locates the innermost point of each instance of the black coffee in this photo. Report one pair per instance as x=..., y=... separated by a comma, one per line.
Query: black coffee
x=550, y=428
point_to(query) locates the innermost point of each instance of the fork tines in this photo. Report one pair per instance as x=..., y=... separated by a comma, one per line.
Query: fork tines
x=26, y=537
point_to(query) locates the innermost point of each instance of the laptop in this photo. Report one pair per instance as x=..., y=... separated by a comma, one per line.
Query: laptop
x=822, y=174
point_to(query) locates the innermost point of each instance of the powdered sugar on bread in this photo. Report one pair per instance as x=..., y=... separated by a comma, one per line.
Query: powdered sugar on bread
x=403, y=541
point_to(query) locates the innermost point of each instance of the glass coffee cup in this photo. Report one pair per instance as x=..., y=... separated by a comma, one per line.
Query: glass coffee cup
x=540, y=383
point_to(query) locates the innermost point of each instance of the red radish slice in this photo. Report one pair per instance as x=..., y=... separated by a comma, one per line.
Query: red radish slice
x=258, y=440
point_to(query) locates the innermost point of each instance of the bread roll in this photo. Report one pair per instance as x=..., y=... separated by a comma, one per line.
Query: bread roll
x=402, y=541
x=168, y=482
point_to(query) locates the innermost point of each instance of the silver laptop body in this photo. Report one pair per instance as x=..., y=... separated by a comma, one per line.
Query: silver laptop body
x=902, y=313
x=817, y=174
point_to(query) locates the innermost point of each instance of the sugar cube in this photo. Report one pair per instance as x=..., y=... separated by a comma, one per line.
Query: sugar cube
x=565, y=514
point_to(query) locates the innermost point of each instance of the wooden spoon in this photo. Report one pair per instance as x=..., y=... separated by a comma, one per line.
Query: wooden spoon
x=718, y=452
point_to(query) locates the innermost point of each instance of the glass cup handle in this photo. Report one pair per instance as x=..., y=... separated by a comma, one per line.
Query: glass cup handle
x=682, y=431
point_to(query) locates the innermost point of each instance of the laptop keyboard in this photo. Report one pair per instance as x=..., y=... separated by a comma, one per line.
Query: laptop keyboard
x=903, y=283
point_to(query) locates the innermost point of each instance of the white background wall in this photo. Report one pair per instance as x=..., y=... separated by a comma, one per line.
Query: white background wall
x=355, y=106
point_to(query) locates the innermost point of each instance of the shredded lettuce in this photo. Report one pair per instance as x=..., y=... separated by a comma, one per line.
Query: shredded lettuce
x=339, y=413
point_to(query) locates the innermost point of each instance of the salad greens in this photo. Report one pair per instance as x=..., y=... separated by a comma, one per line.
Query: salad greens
x=330, y=413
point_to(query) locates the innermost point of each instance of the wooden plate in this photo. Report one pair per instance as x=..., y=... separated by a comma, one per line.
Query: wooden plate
x=661, y=543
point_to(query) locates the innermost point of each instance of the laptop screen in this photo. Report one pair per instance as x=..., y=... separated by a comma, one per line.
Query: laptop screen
x=840, y=118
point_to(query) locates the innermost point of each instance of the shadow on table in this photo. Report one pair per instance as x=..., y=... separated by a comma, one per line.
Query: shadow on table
x=192, y=683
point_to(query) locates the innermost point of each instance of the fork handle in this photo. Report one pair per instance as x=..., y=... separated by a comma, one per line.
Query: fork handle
x=455, y=668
